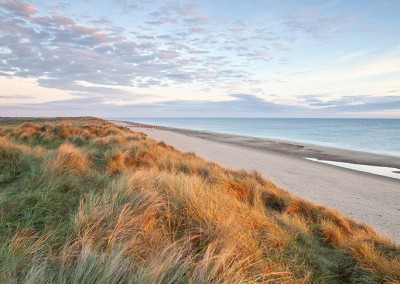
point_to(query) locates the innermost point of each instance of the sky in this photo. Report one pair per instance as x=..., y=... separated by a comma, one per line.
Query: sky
x=210, y=58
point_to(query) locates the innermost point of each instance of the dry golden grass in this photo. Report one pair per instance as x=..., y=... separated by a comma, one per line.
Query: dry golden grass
x=368, y=256
x=331, y=233
x=8, y=145
x=102, y=204
x=69, y=159
x=116, y=162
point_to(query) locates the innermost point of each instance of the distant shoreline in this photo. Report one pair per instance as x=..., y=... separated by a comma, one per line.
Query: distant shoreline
x=294, y=148
x=376, y=136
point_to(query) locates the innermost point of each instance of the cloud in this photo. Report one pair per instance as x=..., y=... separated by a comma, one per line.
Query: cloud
x=314, y=27
x=177, y=8
x=196, y=20
x=127, y=5
x=58, y=51
x=354, y=103
x=190, y=9
x=18, y=8
x=239, y=105
x=16, y=97
x=174, y=12
x=101, y=21
x=353, y=55
x=194, y=51
x=371, y=105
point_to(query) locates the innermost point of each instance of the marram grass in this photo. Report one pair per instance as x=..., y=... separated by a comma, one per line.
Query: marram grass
x=84, y=201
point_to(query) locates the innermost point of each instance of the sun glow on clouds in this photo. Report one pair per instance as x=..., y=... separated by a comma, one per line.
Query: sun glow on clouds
x=168, y=56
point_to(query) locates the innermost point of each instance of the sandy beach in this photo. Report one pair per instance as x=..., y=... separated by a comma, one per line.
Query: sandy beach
x=362, y=196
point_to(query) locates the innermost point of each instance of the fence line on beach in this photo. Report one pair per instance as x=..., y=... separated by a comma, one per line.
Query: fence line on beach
x=150, y=126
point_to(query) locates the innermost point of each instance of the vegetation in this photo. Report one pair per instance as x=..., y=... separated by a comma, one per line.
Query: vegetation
x=84, y=201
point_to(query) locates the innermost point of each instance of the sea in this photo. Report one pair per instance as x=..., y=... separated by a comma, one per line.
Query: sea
x=380, y=136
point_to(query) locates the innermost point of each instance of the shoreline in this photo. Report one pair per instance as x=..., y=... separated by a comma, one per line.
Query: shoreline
x=362, y=196
x=287, y=147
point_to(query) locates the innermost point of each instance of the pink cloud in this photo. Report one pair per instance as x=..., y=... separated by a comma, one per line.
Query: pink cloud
x=18, y=7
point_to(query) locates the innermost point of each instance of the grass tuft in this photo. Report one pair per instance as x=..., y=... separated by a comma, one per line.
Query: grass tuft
x=69, y=159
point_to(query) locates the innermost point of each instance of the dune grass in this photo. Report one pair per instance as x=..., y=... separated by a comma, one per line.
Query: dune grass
x=85, y=201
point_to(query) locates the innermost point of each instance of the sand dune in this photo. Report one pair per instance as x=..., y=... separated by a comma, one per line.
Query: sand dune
x=365, y=197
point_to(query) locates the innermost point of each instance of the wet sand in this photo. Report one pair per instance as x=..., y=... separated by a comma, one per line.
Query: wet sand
x=362, y=196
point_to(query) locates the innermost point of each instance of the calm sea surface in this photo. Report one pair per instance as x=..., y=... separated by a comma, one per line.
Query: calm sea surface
x=370, y=135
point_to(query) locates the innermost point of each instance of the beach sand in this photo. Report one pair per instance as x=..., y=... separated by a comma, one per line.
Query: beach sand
x=362, y=196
